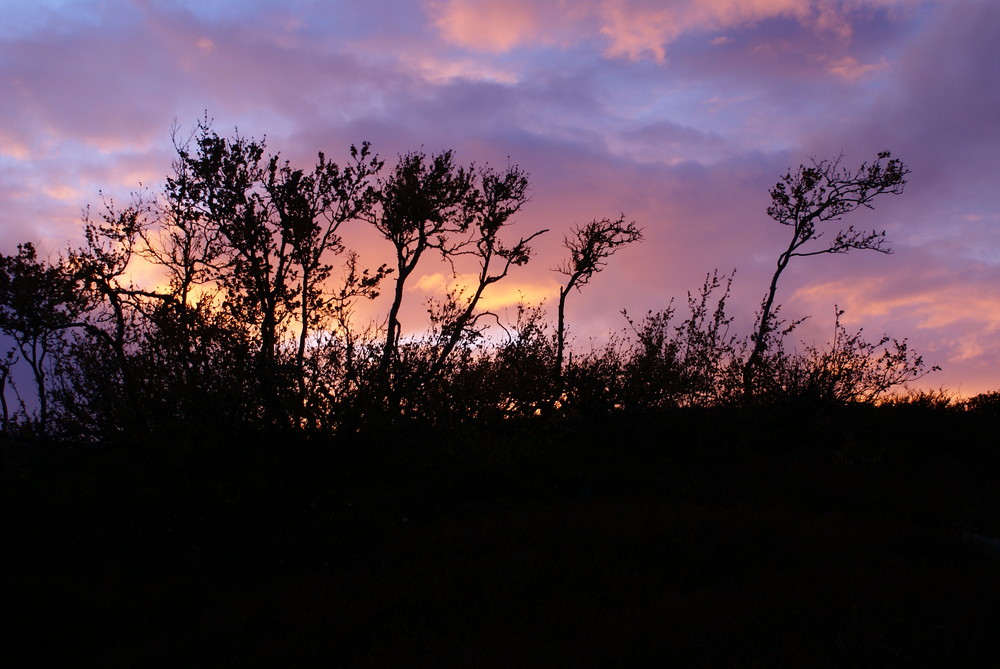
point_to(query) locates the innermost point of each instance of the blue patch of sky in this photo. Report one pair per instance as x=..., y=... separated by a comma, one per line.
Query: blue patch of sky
x=23, y=19
x=313, y=18
x=221, y=11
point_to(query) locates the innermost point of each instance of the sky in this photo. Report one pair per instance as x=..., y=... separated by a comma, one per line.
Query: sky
x=679, y=114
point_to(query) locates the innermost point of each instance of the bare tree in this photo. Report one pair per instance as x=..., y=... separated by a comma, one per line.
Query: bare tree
x=815, y=194
x=589, y=246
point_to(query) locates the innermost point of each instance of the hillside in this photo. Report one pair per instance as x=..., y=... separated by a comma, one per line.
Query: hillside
x=775, y=536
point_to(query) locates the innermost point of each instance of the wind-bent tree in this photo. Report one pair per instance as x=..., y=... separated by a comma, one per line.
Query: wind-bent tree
x=498, y=197
x=420, y=207
x=589, y=246
x=815, y=194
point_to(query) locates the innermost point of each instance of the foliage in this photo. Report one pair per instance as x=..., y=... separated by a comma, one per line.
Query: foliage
x=38, y=302
x=253, y=321
x=589, y=247
x=813, y=195
x=690, y=364
x=851, y=369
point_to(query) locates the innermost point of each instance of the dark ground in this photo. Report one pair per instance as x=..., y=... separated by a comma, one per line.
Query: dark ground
x=773, y=537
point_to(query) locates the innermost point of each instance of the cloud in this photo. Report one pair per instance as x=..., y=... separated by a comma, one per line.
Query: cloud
x=632, y=29
x=491, y=25
x=574, y=92
x=509, y=292
x=849, y=69
x=950, y=315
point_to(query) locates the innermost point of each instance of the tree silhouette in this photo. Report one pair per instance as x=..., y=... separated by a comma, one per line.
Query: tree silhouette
x=38, y=302
x=589, y=246
x=815, y=194
x=226, y=179
x=420, y=206
x=251, y=325
x=498, y=197
x=278, y=226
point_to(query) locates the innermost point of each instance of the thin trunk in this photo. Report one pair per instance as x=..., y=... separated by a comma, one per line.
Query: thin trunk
x=301, y=354
x=457, y=330
x=404, y=268
x=392, y=331
x=3, y=399
x=561, y=330
x=36, y=361
x=266, y=362
x=763, y=328
x=561, y=322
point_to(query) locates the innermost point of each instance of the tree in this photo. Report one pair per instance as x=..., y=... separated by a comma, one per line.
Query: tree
x=311, y=207
x=102, y=265
x=420, y=206
x=225, y=181
x=278, y=226
x=589, y=246
x=38, y=302
x=816, y=194
x=498, y=197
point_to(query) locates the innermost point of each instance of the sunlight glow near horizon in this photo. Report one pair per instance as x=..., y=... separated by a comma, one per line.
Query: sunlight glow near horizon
x=681, y=118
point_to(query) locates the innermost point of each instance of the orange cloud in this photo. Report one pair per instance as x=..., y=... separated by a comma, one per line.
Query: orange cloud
x=633, y=33
x=205, y=45
x=511, y=294
x=939, y=307
x=63, y=193
x=502, y=294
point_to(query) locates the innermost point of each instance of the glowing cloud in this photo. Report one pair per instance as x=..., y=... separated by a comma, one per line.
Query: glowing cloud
x=506, y=293
x=489, y=25
x=941, y=309
x=205, y=45
x=634, y=29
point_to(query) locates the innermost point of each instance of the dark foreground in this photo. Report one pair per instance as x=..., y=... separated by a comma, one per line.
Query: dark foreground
x=807, y=538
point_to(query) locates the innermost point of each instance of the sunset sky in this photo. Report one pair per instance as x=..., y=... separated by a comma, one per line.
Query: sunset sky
x=681, y=114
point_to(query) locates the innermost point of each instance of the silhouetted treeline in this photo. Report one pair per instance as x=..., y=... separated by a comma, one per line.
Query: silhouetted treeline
x=249, y=316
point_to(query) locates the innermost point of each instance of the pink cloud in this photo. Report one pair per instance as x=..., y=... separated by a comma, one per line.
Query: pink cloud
x=851, y=70
x=688, y=150
x=490, y=25
x=950, y=315
x=633, y=29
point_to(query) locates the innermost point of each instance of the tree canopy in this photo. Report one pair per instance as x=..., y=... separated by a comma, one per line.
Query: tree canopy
x=254, y=324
